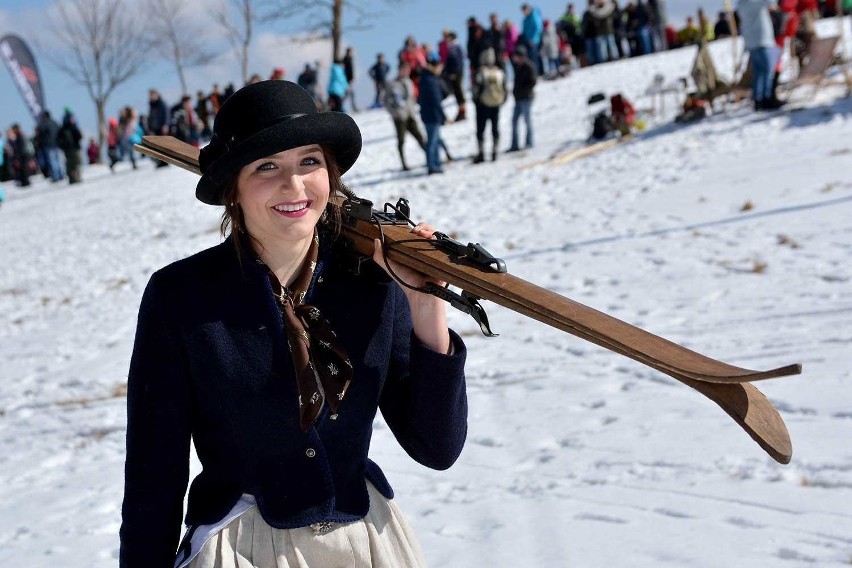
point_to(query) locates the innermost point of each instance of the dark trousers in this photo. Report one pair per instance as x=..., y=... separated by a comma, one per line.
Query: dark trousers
x=335, y=103
x=74, y=165
x=483, y=115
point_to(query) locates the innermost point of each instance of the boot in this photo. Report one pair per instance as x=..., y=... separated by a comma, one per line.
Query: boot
x=773, y=96
x=494, y=149
x=772, y=104
x=480, y=156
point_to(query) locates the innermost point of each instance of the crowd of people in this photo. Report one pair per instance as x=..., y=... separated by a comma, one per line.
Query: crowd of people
x=54, y=150
x=499, y=58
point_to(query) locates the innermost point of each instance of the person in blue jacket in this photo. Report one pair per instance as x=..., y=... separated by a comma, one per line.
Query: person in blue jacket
x=431, y=111
x=338, y=85
x=532, y=27
x=274, y=358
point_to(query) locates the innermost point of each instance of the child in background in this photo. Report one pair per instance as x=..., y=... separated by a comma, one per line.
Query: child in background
x=623, y=113
x=93, y=152
x=113, y=138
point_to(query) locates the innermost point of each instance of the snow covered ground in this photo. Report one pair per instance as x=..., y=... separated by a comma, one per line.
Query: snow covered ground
x=730, y=236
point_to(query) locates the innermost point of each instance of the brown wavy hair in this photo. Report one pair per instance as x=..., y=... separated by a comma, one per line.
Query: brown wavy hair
x=233, y=222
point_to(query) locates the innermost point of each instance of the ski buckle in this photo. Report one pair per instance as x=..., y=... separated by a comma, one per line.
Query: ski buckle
x=465, y=302
x=471, y=253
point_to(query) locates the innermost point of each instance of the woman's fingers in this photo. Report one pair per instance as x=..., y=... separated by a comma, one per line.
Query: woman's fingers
x=424, y=230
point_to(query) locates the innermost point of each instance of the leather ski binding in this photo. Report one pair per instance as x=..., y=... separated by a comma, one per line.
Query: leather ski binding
x=355, y=209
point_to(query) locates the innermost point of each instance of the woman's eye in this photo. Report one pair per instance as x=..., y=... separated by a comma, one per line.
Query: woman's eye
x=312, y=161
x=266, y=166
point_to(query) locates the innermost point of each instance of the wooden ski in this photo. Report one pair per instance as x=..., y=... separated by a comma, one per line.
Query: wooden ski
x=481, y=276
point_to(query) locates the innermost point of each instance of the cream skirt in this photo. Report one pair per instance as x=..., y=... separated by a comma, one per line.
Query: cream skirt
x=382, y=539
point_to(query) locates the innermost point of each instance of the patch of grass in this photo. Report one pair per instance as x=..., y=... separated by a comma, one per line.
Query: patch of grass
x=116, y=283
x=209, y=231
x=747, y=206
x=784, y=240
x=13, y=292
x=118, y=391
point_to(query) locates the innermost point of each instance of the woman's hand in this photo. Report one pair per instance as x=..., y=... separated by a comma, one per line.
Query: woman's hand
x=428, y=312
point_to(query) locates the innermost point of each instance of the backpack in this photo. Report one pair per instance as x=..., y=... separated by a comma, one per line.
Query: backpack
x=493, y=93
x=394, y=98
x=179, y=125
x=779, y=22
x=602, y=126
x=65, y=139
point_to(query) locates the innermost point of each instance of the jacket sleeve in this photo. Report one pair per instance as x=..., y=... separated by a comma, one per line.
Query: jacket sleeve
x=158, y=435
x=424, y=400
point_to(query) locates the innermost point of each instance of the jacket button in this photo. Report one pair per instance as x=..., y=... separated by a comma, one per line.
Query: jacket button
x=310, y=452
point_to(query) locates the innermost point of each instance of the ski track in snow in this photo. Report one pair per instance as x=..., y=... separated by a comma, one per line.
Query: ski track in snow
x=730, y=236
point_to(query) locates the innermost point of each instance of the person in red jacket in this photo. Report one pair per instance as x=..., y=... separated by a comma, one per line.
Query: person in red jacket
x=789, y=20
x=623, y=113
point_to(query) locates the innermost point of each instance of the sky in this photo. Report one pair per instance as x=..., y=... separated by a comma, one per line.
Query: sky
x=390, y=21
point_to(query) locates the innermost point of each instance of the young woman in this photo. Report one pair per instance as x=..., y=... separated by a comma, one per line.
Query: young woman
x=274, y=359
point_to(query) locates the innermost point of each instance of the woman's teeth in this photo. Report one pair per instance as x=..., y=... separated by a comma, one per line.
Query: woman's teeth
x=291, y=208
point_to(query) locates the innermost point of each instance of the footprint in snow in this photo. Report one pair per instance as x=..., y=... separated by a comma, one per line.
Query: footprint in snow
x=601, y=518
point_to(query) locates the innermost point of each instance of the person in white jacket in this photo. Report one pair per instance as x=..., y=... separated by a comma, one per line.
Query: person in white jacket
x=550, y=54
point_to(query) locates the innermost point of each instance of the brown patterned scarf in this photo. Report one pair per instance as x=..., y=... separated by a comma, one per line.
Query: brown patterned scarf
x=323, y=370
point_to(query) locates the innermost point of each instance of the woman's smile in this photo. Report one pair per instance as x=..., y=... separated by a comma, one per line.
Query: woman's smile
x=293, y=208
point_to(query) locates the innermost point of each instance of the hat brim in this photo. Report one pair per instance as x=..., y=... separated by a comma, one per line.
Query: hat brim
x=335, y=129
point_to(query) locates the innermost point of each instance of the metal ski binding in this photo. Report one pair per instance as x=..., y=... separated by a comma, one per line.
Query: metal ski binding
x=464, y=302
x=471, y=253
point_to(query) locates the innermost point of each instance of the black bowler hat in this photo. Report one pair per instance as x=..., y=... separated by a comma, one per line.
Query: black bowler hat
x=265, y=118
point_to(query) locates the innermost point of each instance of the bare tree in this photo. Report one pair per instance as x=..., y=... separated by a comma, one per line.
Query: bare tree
x=101, y=46
x=327, y=17
x=176, y=36
x=238, y=18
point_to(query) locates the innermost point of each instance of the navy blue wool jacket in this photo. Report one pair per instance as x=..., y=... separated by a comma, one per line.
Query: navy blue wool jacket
x=211, y=362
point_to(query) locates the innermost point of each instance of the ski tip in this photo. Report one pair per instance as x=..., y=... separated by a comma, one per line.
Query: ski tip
x=754, y=413
x=764, y=424
x=749, y=376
